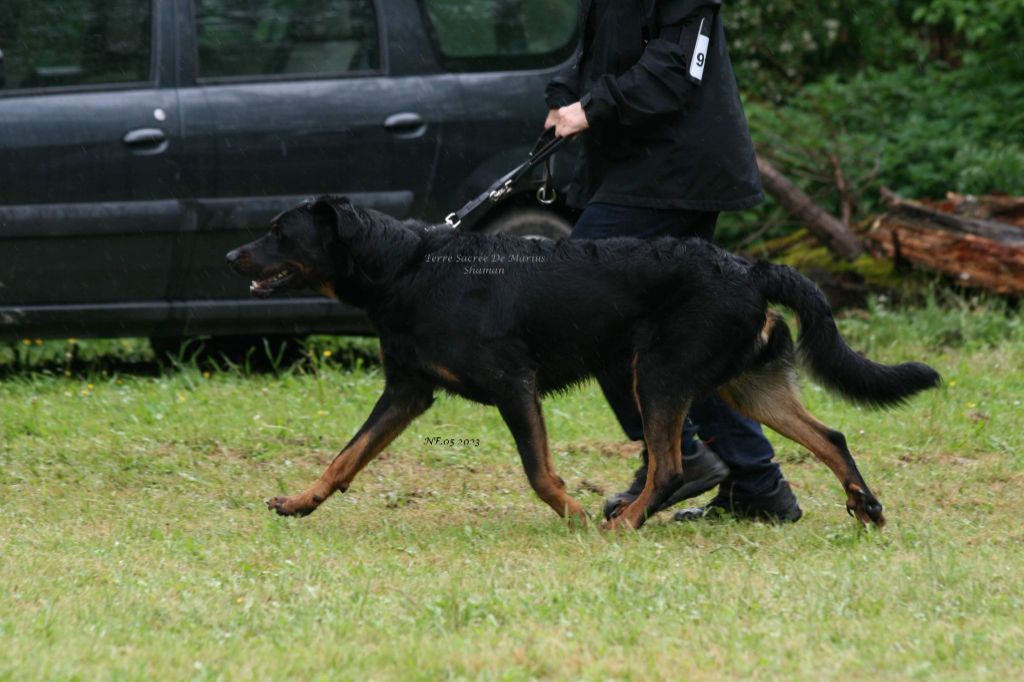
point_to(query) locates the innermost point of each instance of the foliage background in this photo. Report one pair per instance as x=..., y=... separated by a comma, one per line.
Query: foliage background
x=924, y=97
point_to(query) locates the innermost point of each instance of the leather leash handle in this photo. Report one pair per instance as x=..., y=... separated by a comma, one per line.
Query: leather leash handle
x=547, y=144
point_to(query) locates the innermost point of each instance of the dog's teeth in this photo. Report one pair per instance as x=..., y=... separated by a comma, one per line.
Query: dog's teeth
x=273, y=279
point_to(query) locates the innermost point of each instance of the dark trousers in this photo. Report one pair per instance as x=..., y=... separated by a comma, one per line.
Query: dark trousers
x=739, y=441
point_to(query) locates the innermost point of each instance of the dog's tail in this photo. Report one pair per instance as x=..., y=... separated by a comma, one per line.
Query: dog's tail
x=826, y=353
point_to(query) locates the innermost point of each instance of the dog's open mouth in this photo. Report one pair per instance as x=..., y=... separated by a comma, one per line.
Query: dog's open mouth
x=268, y=285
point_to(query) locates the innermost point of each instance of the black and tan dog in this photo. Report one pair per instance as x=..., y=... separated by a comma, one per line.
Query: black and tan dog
x=504, y=320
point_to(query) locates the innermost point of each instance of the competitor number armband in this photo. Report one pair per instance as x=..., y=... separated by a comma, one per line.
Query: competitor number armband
x=700, y=48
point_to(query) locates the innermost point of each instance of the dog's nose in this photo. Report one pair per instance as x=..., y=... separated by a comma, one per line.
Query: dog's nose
x=237, y=256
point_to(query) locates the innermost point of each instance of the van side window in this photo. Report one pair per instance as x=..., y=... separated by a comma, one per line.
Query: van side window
x=494, y=35
x=248, y=38
x=61, y=43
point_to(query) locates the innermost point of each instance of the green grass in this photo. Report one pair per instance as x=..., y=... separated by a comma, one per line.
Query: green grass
x=135, y=543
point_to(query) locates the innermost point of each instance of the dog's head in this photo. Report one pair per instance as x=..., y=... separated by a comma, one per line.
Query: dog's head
x=299, y=252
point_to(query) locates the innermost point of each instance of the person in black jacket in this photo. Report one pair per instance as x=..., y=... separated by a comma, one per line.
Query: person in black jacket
x=665, y=148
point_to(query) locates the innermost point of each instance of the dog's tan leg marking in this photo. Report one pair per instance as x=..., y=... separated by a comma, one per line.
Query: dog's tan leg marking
x=663, y=430
x=392, y=413
x=444, y=373
x=772, y=398
x=521, y=411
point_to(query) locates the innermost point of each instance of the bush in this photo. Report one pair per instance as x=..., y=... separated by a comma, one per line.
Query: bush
x=921, y=96
x=919, y=130
x=780, y=46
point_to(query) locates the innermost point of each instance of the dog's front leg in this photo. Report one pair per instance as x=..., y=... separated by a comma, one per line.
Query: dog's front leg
x=520, y=408
x=396, y=408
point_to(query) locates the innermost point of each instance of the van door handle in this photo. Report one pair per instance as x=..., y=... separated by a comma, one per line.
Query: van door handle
x=146, y=141
x=405, y=124
x=145, y=136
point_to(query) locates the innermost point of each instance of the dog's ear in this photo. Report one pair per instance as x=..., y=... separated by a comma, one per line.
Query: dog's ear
x=333, y=214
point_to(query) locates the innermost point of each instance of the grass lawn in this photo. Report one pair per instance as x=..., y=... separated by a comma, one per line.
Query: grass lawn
x=135, y=543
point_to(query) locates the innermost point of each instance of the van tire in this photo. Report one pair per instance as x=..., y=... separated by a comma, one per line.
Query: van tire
x=533, y=223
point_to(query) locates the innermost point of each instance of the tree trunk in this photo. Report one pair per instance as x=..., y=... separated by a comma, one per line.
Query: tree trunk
x=983, y=254
x=826, y=227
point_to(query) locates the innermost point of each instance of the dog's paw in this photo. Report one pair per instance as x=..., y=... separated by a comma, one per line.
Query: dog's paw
x=615, y=506
x=617, y=523
x=295, y=505
x=863, y=506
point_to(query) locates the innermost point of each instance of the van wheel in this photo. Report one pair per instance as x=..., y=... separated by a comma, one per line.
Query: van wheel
x=533, y=223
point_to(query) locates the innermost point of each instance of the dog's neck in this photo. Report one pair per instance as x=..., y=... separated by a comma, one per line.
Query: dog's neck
x=374, y=257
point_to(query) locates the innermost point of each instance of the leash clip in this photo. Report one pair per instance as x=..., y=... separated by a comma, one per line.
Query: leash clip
x=498, y=194
x=546, y=193
x=542, y=152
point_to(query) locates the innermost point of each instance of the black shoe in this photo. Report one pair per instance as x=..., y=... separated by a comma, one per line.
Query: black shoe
x=702, y=471
x=778, y=506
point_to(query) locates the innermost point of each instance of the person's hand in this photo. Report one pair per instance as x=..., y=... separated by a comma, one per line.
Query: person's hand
x=552, y=120
x=567, y=121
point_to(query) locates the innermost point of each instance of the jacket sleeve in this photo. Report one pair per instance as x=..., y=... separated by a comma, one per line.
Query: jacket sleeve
x=660, y=82
x=564, y=89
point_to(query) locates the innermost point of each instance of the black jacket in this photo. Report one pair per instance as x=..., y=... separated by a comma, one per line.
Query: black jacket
x=658, y=138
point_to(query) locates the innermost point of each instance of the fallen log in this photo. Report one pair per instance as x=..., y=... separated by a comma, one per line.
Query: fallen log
x=819, y=222
x=1002, y=208
x=983, y=254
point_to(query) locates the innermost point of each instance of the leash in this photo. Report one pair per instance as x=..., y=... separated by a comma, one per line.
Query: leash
x=543, y=153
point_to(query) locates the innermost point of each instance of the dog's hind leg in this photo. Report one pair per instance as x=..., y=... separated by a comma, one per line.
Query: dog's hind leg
x=396, y=408
x=663, y=406
x=663, y=429
x=769, y=395
x=520, y=408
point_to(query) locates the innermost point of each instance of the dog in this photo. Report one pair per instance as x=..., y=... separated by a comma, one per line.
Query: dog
x=504, y=320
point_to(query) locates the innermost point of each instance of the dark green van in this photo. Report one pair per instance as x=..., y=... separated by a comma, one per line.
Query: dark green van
x=141, y=139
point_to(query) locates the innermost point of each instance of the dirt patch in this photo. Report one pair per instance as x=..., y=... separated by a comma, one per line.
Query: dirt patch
x=616, y=449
